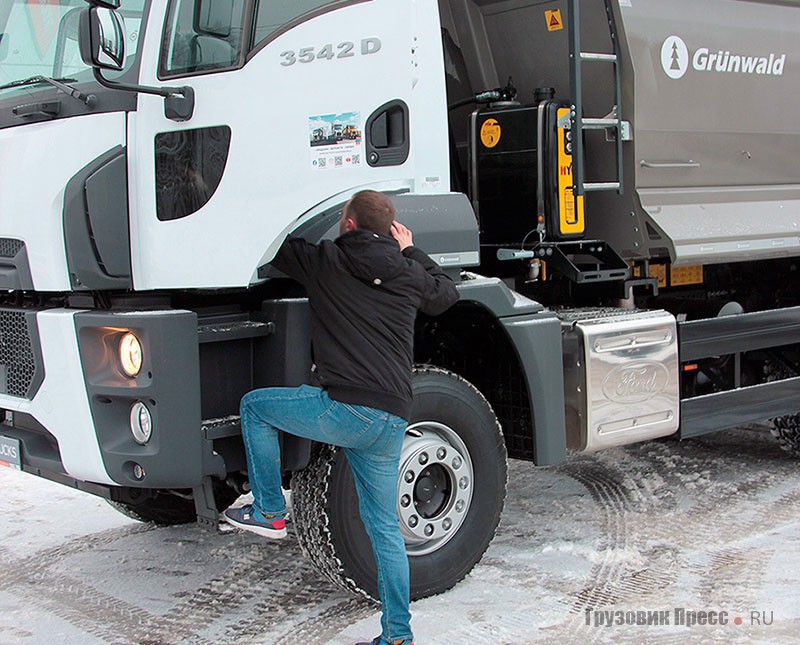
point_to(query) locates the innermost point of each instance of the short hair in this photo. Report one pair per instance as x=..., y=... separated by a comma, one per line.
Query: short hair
x=372, y=211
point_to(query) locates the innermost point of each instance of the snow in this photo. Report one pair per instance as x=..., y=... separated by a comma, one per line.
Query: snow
x=707, y=525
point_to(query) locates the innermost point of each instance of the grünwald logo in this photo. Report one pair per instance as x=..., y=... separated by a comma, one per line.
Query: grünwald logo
x=676, y=60
x=675, y=57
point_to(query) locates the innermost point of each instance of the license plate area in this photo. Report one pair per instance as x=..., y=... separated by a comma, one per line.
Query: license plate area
x=10, y=454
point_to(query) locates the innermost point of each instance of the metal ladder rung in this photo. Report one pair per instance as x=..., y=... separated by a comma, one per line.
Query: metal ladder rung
x=600, y=186
x=599, y=124
x=603, y=58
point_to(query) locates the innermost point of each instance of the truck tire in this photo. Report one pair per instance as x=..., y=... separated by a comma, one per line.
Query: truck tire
x=165, y=508
x=454, y=441
x=787, y=431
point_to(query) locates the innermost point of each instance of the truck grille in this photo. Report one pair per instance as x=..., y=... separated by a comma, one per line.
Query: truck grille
x=17, y=357
x=9, y=248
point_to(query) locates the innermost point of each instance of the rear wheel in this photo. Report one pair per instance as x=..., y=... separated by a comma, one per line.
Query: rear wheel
x=787, y=431
x=451, y=490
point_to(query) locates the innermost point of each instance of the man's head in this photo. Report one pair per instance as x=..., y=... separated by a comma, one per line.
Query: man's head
x=368, y=210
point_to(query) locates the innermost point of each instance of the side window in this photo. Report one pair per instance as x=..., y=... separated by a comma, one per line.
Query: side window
x=202, y=36
x=189, y=169
x=273, y=14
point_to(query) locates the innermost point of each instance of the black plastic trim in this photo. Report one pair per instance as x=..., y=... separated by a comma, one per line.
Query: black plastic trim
x=168, y=384
x=96, y=226
x=535, y=335
x=15, y=269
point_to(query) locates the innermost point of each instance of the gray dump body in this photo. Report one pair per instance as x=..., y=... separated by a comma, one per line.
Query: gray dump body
x=711, y=90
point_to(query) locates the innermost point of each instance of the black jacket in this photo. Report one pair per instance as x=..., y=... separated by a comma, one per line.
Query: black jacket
x=364, y=296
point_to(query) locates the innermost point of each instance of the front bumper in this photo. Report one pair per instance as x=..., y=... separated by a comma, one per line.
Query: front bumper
x=74, y=419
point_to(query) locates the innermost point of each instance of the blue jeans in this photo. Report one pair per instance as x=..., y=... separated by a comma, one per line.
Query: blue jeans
x=372, y=440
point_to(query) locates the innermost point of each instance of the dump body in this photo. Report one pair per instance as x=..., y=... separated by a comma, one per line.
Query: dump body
x=709, y=89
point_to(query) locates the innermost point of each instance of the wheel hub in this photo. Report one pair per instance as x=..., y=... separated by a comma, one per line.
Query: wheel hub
x=435, y=486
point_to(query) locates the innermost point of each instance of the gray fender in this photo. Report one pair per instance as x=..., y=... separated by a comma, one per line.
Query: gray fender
x=535, y=334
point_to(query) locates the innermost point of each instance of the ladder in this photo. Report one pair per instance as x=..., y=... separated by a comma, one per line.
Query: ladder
x=580, y=123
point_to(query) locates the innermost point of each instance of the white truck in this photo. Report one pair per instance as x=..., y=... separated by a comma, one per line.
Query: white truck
x=622, y=219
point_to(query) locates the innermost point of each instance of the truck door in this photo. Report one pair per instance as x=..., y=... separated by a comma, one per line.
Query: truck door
x=211, y=196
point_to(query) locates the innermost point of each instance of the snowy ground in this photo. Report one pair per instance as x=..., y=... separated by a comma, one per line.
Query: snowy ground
x=708, y=525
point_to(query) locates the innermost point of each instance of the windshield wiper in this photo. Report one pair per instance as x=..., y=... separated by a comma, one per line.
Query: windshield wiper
x=59, y=84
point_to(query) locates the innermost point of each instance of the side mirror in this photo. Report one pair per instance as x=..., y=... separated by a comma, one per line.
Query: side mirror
x=102, y=38
x=213, y=18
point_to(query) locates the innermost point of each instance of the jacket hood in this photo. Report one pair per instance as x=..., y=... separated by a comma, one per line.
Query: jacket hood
x=371, y=257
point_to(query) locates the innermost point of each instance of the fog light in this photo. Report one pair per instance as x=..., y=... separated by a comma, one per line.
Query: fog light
x=141, y=423
x=130, y=355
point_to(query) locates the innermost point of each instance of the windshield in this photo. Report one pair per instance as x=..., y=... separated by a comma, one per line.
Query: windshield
x=40, y=38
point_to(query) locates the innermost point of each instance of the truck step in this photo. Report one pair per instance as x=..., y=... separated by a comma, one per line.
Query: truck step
x=233, y=330
x=587, y=261
x=221, y=428
x=602, y=58
x=601, y=124
x=601, y=186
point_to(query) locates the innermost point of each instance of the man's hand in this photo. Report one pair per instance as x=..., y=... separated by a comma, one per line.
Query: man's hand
x=402, y=235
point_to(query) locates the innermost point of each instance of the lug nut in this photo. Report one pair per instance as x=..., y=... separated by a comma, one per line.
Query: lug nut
x=423, y=458
x=409, y=476
x=456, y=463
x=460, y=506
x=447, y=524
x=405, y=501
x=413, y=521
x=429, y=530
x=441, y=454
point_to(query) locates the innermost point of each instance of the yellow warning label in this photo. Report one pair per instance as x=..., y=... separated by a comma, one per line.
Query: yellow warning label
x=570, y=210
x=491, y=133
x=683, y=276
x=554, y=22
x=678, y=276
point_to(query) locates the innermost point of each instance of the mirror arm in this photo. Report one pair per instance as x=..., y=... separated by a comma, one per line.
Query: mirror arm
x=178, y=101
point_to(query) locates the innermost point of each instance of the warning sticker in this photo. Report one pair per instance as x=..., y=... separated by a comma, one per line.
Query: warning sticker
x=335, y=140
x=491, y=133
x=554, y=22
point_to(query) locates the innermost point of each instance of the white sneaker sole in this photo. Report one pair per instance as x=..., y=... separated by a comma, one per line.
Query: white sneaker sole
x=274, y=534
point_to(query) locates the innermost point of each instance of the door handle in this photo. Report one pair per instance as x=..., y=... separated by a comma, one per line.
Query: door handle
x=387, y=135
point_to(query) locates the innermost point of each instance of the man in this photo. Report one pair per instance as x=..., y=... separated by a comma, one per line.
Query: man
x=364, y=291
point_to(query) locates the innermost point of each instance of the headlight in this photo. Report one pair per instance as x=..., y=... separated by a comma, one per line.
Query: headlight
x=130, y=355
x=141, y=423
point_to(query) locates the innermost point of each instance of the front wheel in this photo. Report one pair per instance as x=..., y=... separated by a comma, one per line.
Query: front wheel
x=451, y=490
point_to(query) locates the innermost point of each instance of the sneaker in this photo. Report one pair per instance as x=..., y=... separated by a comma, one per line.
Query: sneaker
x=248, y=518
x=377, y=641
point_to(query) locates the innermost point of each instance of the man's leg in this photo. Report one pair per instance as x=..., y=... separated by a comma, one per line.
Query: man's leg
x=303, y=411
x=375, y=474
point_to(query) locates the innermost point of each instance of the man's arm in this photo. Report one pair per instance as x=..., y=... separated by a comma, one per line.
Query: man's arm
x=297, y=258
x=439, y=292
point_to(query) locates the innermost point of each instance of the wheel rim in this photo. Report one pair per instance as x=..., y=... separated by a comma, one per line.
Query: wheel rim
x=435, y=486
